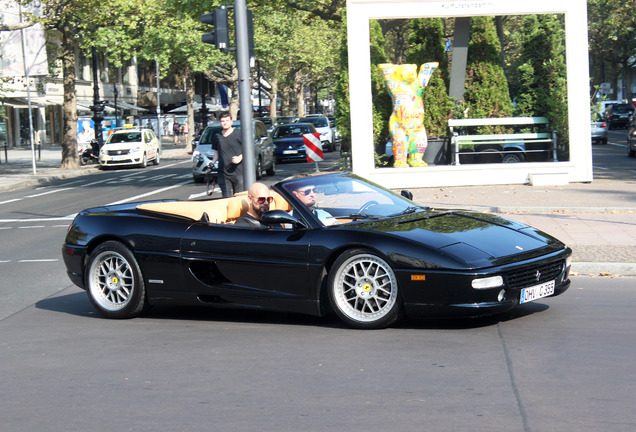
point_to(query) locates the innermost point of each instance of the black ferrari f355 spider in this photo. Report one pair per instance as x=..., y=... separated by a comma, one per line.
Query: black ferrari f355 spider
x=351, y=247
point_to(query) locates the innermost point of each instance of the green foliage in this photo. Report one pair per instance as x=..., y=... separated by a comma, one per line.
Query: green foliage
x=486, y=93
x=343, y=106
x=612, y=40
x=542, y=75
x=426, y=44
x=381, y=100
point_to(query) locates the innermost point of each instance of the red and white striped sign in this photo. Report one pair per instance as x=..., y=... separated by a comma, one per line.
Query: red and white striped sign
x=313, y=147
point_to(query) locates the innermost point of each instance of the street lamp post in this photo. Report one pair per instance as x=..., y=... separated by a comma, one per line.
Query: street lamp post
x=115, y=93
x=98, y=106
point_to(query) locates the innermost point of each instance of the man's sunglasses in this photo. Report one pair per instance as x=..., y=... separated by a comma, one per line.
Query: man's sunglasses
x=261, y=200
x=308, y=191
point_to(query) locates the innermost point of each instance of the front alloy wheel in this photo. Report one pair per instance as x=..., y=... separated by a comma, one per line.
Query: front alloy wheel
x=114, y=282
x=363, y=290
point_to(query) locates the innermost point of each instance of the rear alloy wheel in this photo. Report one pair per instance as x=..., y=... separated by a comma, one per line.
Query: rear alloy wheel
x=259, y=169
x=363, y=290
x=144, y=161
x=272, y=169
x=157, y=159
x=114, y=282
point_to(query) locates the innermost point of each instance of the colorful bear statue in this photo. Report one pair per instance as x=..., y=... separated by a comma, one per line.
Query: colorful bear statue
x=406, y=124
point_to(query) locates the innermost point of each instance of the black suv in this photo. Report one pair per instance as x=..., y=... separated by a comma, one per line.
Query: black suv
x=618, y=115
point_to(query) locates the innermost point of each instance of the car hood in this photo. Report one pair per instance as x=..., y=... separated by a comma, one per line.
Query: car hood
x=477, y=239
x=290, y=141
x=121, y=146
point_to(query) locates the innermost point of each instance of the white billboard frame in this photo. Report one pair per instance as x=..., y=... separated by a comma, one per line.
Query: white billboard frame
x=577, y=169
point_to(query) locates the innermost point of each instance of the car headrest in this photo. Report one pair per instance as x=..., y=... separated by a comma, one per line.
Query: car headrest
x=237, y=207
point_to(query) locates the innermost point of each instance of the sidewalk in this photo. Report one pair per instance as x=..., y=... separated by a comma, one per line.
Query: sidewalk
x=597, y=220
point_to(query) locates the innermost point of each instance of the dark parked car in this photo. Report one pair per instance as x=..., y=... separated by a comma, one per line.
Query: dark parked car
x=631, y=138
x=264, y=154
x=618, y=115
x=289, y=142
x=384, y=257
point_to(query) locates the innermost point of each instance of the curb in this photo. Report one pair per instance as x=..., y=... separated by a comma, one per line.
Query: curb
x=602, y=269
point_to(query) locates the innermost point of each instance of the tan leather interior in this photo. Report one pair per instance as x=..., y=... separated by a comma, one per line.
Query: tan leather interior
x=225, y=210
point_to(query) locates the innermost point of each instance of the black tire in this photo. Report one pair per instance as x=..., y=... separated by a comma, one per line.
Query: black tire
x=259, y=168
x=272, y=169
x=198, y=179
x=144, y=161
x=363, y=290
x=114, y=282
x=631, y=153
x=512, y=158
x=157, y=159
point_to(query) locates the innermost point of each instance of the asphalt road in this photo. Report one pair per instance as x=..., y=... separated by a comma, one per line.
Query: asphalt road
x=558, y=364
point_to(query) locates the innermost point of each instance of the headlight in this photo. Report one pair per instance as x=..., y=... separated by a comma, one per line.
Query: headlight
x=489, y=282
x=103, y=151
x=196, y=154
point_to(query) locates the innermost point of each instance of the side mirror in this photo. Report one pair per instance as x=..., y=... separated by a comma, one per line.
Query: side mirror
x=281, y=217
x=407, y=194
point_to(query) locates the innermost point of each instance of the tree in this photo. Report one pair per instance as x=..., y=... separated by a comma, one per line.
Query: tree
x=486, y=93
x=426, y=44
x=612, y=36
x=542, y=75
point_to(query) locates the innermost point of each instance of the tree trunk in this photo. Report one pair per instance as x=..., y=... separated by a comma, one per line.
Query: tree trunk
x=189, y=81
x=234, y=100
x=299, y=89
x=70, y=159
x=627, y=81
x=273, y=96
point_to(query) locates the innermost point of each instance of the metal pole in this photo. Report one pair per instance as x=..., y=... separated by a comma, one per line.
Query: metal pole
x=245, y=91
x=97, y=106
x=26, y=77
x=158, y=107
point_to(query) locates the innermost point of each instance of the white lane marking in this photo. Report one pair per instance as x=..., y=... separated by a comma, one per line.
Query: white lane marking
x=5, y=228
x=600, y=168
x=38, y=260
x=10, y=201
x=5, y=261
x=617, y=144
x=138, y=197
x=53, y=219
x=48, y=192
x=198, y=195
x=32, y=226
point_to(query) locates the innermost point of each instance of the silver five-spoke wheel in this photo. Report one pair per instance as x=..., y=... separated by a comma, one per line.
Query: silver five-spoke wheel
x=114, y=282
x=363, y=290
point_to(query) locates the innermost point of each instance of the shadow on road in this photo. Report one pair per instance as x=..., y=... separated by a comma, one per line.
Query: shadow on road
x=78, y=304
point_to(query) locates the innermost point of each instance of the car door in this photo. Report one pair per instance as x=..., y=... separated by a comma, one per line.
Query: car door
x=240, y=260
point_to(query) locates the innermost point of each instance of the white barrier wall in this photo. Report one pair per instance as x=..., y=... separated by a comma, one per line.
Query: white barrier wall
x=578, y=169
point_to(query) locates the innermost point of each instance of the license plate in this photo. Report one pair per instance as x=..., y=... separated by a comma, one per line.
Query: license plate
x=290, y=151
x=537, y=291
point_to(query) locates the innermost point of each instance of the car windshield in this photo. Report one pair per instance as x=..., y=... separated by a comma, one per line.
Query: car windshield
x=125, y=137
x=207, y=137
x=622, y=108
x=348, y=197
x=292, y=130
x=317, y=121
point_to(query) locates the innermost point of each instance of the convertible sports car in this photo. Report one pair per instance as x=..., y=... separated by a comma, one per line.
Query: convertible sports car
x=385, y=256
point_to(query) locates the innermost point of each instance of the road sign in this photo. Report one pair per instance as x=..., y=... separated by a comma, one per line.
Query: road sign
x=313, y=147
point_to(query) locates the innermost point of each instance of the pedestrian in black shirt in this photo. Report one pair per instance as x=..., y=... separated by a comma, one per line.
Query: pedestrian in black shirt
x=229, y=153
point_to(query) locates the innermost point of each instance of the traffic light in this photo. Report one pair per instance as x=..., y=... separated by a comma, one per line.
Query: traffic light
x=220, y=37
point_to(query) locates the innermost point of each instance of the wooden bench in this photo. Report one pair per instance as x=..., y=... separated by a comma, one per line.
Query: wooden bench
x=509, y=147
